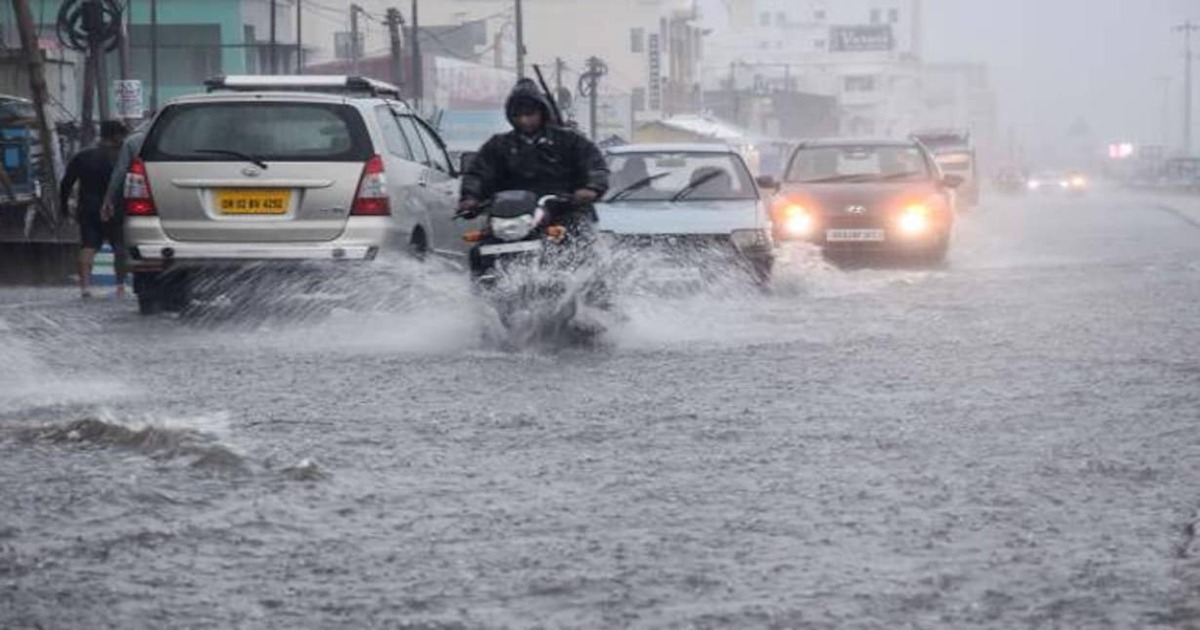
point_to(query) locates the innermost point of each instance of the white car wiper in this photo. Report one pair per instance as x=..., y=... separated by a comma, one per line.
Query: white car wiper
x=635, y=186
x=700, y=181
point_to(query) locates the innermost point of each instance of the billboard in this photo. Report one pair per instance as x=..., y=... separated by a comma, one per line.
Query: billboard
x=875, y=37
x=655, y=79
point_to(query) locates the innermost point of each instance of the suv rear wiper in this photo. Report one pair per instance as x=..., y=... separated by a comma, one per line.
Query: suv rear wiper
x=257, y=161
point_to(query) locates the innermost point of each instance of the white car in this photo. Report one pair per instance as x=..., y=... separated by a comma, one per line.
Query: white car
x=687, y=198
x=278, y=170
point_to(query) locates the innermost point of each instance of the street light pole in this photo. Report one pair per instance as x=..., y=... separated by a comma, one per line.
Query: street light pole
x=1187, y=28
x=1165, y=114
x=274, y=36
x=154, y=55
x=520, y=18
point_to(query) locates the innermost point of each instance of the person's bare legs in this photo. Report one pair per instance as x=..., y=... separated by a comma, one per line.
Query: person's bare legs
x=119, y=267
x=87, y=258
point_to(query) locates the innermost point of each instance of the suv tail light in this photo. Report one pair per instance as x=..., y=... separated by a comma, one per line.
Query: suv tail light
x=372, y=198
x=139, y=201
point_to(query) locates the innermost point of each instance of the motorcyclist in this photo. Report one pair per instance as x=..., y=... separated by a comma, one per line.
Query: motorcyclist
x=538, y=156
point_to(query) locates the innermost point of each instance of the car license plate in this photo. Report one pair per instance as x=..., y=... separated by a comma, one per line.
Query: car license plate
x=854, y=236
x=510, y=248
x=254, y=201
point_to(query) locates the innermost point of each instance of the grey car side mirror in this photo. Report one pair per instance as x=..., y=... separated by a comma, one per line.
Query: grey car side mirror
x=953, y=181
x=766, y=182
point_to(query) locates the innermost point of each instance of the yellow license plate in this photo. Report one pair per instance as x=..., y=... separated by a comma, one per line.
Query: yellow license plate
x=254, y=201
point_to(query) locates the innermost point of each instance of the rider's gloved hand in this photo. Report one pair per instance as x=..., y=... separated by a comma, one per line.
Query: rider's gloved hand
x=585, y=196
x=468, y=208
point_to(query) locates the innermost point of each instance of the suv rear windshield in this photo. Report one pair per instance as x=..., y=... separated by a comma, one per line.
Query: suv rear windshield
x=272, y=132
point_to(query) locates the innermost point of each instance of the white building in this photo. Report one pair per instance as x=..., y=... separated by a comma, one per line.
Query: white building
x=651, y=47
x=960, y=96
x=864, y=52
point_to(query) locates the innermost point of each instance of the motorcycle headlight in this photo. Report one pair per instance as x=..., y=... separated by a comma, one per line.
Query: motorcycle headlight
x=751, y=239
x=513, y=229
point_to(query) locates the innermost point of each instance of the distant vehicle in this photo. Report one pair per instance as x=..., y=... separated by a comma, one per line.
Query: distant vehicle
x=465, y=131
x=851, y=197
x=688, y=200
x=279, y=169
x=1058, y=182
x=955, y=156
x=1011, y=181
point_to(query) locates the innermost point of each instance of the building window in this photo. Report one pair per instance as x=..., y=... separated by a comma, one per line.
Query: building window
x=780, y=19
x=637, y=40
x=876, y=16
x=764, y=19
x=893, y=15
x=819, y=44
x=819, y=15
x=639, y=99
x=193, y=55
x=861, y=83
x=764, y=45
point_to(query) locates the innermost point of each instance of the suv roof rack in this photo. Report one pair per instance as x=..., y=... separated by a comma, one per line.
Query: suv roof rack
x=333, y=84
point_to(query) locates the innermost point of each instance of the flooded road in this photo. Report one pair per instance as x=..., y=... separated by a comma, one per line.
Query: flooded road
x=1009, y=442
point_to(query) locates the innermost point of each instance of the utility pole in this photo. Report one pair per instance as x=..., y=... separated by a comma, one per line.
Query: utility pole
x=97, y=51
x=394, y=23
x=37, y=85
x=154, y=55
x=1187, y=28
x=589, y=87
x=354, y=10
x=520, y=19
x=559, y=65
x=299, y=38
x=418, y=79
x=274, y=37
x=123, y=45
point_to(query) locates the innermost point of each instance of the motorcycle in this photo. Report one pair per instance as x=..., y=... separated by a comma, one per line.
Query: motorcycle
x=536, y=274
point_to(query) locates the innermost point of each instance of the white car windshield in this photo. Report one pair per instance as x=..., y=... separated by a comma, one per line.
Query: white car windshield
x=859, y=163
x=679, y=176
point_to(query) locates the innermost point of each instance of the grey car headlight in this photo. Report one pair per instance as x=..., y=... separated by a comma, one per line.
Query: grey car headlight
x=751, y=239
x=513, y=229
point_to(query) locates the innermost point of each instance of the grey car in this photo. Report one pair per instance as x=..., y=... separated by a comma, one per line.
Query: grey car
x=687, y=199
x=280, y=170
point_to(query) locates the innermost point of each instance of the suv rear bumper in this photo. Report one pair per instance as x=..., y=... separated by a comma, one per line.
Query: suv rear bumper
x=150, y=247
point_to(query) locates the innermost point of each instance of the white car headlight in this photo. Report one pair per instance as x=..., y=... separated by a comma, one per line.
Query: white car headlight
x=513, y=229
x=751, y=239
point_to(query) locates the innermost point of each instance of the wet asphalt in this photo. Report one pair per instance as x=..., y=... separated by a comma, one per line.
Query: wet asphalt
x=1011, y=441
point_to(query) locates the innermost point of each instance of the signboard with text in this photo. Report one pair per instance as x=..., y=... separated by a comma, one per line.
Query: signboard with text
x=872, y=38
x=129, y=99
x=654, y=92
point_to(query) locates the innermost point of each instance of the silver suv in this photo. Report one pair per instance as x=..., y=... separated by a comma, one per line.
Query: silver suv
x=282, y=169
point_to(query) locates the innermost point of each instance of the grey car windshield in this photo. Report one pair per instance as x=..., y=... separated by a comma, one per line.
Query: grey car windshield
x=858, y=163
x=661, y=176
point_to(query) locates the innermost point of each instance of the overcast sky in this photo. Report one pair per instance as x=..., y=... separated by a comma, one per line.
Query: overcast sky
x=1054, y=61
